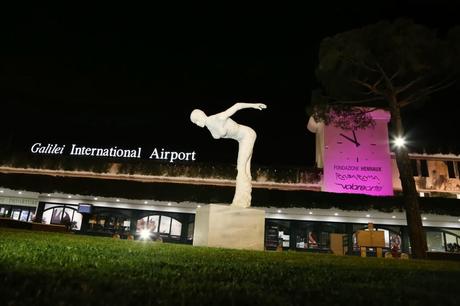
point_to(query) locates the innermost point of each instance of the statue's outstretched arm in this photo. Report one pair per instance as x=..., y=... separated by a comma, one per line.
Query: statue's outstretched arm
x=237, y=106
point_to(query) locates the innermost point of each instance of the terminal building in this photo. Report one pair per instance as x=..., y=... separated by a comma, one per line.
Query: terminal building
x=356, y=182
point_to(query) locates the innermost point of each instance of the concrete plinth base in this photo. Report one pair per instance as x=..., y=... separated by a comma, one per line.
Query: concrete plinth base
x=225, y=226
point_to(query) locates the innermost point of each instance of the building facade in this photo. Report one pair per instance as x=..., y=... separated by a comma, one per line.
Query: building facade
x=356, y=182
x=298, y=215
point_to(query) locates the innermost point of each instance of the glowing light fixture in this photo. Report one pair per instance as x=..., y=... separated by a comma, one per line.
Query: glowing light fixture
x=95, y=199
x=69, y=196
x=424, y=218
x=394, y=217
x=48, y=195
x=368, y=216
x=399, y=142
x=278, y=211
x=145, y=234
x=145, y=202
x=1, y=191
x=118, y=200
x=20, y=192
x=310, y=213
x=199, y=206
x=169, y=204
x=336, y=214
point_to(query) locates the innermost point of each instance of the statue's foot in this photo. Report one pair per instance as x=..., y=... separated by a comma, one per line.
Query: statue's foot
x=241, y=205
x=242, y=202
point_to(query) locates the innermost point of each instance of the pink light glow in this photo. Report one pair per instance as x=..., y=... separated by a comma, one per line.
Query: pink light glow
x=358, y=161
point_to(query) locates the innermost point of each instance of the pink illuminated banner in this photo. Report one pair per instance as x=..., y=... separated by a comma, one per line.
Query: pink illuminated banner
x=373, y=178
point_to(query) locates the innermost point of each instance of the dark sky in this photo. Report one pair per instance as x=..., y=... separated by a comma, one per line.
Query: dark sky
x=130, y=75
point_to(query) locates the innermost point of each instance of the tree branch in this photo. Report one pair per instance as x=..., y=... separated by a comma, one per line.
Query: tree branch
x=439, y=86
x=407, y=86
x=395, y=74
x=372, y=89
x=359, y=63
x=358, y=101
x=426, y=92
x=386, y=78
x=377, y=83
x=361, y=101
x=370, y=110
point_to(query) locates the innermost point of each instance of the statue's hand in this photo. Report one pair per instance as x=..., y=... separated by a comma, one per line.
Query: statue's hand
x=260, y=106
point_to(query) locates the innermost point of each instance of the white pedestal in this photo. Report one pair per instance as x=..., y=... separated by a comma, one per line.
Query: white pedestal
x=225, y=226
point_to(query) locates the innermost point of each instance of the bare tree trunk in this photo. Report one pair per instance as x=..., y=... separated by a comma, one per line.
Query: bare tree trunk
x=414, y=221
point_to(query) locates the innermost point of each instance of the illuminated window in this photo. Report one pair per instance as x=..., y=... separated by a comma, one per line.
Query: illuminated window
x=176, y=227
x=15, y=214
x=165, y=225
x=61, y=214
x=160, y=224
x=24, y=215
x=435, y=241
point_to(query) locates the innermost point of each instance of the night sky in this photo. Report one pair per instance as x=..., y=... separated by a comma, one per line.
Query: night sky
x=130, y=76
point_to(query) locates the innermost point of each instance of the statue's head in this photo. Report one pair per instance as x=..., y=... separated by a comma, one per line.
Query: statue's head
x=198, y=117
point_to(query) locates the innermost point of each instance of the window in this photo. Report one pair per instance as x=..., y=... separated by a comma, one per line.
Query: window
x=165, y=225
x=108, y=222
x=190, y=230
x=176, y=227
x=153, y=223
x=324, y=241
x=160, y=224
x=15, y=214
x=424, y=168
x=285, y=238
x=452, y=243
x=58, y=214
x=435, y=241
x=277, y=234
x=24, y=215
x=4, y=211
x=312, y=236
x=413, y=163
x=450, y=169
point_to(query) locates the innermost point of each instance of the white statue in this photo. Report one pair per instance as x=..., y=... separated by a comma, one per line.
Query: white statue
x=222, y=126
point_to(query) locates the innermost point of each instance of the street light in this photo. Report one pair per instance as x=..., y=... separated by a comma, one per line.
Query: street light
x=145, y=234
x=399, y=142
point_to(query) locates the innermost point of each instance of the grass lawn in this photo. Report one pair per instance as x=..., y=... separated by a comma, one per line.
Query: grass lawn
x=64, y=269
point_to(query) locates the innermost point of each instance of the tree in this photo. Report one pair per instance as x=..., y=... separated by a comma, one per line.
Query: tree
x=389, y=65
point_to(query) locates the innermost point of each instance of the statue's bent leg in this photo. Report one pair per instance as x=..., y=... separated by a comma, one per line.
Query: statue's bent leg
x=243, y=188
